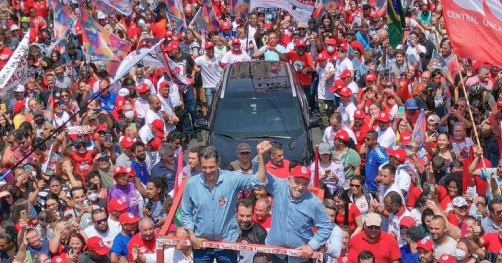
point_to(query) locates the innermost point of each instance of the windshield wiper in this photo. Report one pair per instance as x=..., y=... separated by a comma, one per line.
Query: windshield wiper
x=266, y=137
x=223, y=135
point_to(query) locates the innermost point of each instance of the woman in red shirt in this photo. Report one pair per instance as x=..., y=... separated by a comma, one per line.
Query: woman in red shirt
x=347, y=213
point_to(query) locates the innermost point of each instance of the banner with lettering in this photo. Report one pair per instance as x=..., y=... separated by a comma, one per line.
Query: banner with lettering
x=479, y=20
x=16, y=70
x=299, y=10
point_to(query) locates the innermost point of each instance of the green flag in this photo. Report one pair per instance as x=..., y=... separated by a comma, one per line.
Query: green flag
x=395, y=21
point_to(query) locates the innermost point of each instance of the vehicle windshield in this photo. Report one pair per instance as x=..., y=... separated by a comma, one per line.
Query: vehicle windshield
x=244, y=118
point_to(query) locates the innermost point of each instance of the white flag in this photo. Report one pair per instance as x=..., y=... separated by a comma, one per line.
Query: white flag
x=16, y=70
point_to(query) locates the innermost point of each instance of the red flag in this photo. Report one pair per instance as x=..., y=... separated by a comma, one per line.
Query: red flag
x=480, y=19
x=179, y=171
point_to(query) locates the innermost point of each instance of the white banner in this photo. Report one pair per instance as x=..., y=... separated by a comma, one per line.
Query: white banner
x=132, y=59
x=16, y=70
x=299, y=11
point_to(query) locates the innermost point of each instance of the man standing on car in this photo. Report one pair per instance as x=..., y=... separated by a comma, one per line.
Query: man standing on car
x=209, y=202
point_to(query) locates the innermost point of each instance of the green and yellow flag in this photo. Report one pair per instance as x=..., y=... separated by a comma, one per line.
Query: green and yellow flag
x=395, y=21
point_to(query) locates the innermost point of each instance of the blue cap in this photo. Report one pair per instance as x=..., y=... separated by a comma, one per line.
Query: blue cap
x=411, y=104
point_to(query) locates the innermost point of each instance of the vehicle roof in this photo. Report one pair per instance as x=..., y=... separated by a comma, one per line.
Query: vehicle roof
x=258, y=79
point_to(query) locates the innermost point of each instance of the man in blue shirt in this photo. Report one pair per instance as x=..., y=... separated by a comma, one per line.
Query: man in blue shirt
x=139, y=165
x=295, y=214
x=209, y=202
x=375, y=156
x=107, y=98
x=167, y=166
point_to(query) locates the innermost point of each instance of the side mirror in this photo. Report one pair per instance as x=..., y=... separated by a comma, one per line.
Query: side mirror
x=314, y=122
x=202, y=124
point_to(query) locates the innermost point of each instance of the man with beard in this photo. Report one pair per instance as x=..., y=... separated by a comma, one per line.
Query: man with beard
x=360, y=128
x=277, y=165
x=167, y=166
x=299, y=205
x=96, y=252
x=442, y=243
x=42, y=128
x=156, y=112
x=482, y=78
x=397, y=211
x=63, y=81
x=144, y=241
x=375, y=156
x=426, y=99
x=383, y=246
x=140, y=165
x=243, y=163
x=425, y=250
x=107, y=97
x=251, y=232
x=100, y=228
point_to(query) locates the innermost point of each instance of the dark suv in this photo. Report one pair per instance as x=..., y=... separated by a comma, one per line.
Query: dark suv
x=260, y=100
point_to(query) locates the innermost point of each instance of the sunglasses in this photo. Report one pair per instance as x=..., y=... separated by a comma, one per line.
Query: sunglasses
x=102, y=221
x=355, y=185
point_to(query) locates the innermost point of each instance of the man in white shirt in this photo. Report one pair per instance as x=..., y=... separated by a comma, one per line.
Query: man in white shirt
x=178, y=254
x=397, y=211
x=139, y=73
x=387, y=182
x=414, y=51
x=266, y=49
x=167, y=107
x=151, y=130
x=348, y=80
x=325, y=97
x=100, y=228
x=343, y=61
x=141, y=106
x=335, y=122
x=209, y=66
x=235, y=54
x=403, y=180
x=386, y=135
x=347, y=108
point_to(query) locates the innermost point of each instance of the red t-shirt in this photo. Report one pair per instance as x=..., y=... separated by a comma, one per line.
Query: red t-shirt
x=454, y=220
x=492, y=242
x=41, y=8
x=280, y=172
x=353, y=213
x=5, y=55
x=265, y=224
x=299, y=63
x=361, y=135
x=385, y=249
x=413, y=196
x=145, y=247
x=83, y=164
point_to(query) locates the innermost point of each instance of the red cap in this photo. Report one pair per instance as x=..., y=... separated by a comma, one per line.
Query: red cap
x=301, y=172
x=155, y=143
x=102, y=127
x=60, y=259
x=331, y=42
x=116, y=204
x=345, y=92
x=342, y=135
x=400, y=155
x=373, y=14
x=144, y=43
x=119, y=103
x=383, y=117
x=321, y=56
x=337, y=85
x=344, y=46
x=226, y=25
x=358, y=46
x=164, y=85
x=128, y=219
x=168, y=34
x=18, y=106
x=445, y=258
x=405, y=137
x=499, y=103
x=345, y=74
x=359, y=114
x=119, y=170
x=300, y=43
x=158, y=127
x=142, y=88
x=425, y=243
x=96, y=245
x=127, y=142
x=407, y=222
x=172, y=45
x=130, y=171
x=209, y=45
x=236, y=41
x=370, y=77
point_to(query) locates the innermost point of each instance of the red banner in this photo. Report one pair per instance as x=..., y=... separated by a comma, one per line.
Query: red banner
x=475, y=29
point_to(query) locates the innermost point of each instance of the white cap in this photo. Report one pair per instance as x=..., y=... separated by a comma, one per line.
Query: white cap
x=124, y=92
x=19, y=88
x=101, y=15
x=14, y=27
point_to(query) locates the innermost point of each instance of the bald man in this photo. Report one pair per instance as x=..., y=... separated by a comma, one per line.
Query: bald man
x=171, y=255
x=144, y=240
x=141, y=77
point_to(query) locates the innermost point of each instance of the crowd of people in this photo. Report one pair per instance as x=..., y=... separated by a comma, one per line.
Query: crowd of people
x=408, y=169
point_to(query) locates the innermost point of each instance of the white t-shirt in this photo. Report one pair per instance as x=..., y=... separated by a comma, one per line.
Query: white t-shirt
x=141, y=107
x=446, y=248
x=387, y=138
x=347, y=114
x=336, y=169
x=146, y=134
x=209, y=70
x=394, y=222
x=230, y=57
x=343, y=65
x=167, y=107
x=412, y=53
x=174, y=92
x=107, y=236
x=353, y=87
x=171, y=255
x=147, y=82
x=462, y=148
x=58, y=121
x=329, y=135
x=322, y=89
x=382, y=194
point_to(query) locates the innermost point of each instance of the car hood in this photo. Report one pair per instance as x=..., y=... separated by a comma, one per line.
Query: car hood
x=295, y=148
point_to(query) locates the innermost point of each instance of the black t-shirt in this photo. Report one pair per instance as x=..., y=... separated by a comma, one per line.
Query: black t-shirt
x=255, y=235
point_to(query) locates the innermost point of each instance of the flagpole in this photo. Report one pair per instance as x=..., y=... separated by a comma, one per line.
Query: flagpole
x=488, y=177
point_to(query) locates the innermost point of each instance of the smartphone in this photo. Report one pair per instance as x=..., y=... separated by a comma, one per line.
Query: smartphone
x=108, y=138
x=400, y=110
x=24, y=217
x=132, y=125
x=432, y=190
x=27, y=168
x=455, y=106
x=327, y=171
x=29, y=258
x=2, y=106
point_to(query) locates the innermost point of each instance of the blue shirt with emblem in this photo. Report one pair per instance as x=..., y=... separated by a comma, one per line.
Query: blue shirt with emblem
x=374, y=158
x=141, y=171
x=108, y=102
x=210, y=213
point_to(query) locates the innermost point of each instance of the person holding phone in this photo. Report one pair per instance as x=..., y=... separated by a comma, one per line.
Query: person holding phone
x=271, y=49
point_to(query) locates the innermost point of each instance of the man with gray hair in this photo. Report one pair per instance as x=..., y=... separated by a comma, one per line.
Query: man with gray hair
x=167, y=166
x=140, y=78
x=209, y=202
x=144, y=241
x=461, y=143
